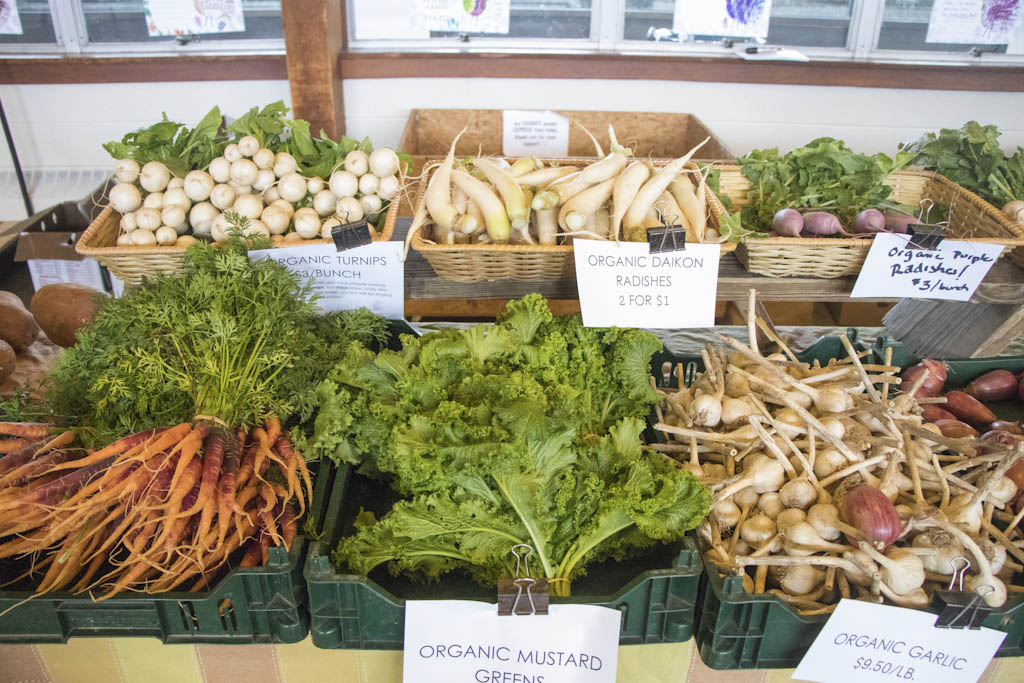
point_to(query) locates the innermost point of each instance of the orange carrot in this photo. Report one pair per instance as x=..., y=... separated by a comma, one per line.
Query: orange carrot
x=283, y=446
x=213, y=455
x=272, y=428
x=226, y=486
x=289, y=526
x=153, y=440
x=188, y=447
x=252, y=554
x=11, y=445
x=28, y=430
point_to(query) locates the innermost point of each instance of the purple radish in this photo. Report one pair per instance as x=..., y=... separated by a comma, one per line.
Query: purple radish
x=820, y=223
x=898, y=222
x=869, y=220
x=788, y=223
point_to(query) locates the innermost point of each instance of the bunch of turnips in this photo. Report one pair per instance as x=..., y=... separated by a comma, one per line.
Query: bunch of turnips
x=286, y=186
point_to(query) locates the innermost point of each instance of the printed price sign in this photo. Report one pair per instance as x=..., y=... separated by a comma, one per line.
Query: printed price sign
x=534, y=133
x=460, y=641
x=952, y=271
x=864, y=641
x=370, y=276
x=623, y=284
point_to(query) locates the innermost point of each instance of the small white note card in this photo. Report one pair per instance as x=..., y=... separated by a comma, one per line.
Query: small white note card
x=864, y=642
x=177, y=18
x=534, y=133
x=952, y=272
x=370, y=276
x=463, y=642
x=622, y=284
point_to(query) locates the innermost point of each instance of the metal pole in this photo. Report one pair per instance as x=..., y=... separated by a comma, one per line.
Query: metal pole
x=17, y=164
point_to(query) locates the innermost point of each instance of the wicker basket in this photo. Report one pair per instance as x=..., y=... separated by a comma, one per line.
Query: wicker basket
x=519, y=262
x=132, y=264
x=970, y=218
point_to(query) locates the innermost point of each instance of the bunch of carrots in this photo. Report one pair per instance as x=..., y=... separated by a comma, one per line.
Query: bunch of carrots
x=149, y=512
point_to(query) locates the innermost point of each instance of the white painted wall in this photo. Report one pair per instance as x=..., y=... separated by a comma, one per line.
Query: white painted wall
x=63, y=126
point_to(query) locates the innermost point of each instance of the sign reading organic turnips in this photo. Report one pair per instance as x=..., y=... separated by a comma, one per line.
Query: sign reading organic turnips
x=459, y=641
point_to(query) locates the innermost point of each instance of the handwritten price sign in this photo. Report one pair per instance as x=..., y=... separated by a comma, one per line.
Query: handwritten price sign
x=894, y=269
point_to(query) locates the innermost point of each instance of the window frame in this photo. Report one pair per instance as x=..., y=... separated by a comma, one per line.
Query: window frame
x=72, y=40
x=607, y=27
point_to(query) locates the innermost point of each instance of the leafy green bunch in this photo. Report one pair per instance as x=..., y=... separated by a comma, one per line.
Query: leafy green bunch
x=524, y=432
x=824, y=174
x=971, y=157
x=179, y=148
x=227, y=338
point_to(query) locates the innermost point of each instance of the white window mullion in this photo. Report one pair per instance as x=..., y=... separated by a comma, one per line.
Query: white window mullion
x=607, y=21
x=865, y=24
x=68, y=25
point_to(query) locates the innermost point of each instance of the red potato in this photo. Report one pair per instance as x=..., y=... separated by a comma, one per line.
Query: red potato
x=995, y=385
x=788, y=223
x=869, y=221
x=820, y=224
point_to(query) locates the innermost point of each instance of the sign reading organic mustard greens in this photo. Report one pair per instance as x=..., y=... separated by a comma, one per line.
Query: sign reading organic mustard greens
x=461, y=641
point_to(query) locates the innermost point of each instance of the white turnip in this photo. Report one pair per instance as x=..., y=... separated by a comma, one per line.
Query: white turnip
x=368, y=183
x=388, y=188
x=223, y=196
x=143, y=238
x=292, y=187
x=220, y=170
x=232, y=153
x=357, y=162
x=348, y=210
x=248, y=205
x=127, y=171
x=166, y=235
x=343, y=184
x=154, y=200
x=284, y=163
x=200, y=217
x=198, y=185
x=128, y=223
x=264, y=159
x=125, y=197
x=154, y=177
x=264, y=179
x=383, y=162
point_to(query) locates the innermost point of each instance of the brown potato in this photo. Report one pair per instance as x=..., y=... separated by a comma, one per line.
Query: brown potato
x=17, y=326
x=7, y=360
x=63, y=308
x=11, y=299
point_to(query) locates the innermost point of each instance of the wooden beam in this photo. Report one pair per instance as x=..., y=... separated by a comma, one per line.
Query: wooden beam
x=313, y=36
x=143, y=69
x=674, y=68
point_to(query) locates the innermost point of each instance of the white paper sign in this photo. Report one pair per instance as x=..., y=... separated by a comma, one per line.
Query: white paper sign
x=534, y=133
x=740, y=18
x=10, y=21
x=370, y=276
x=459, y=641
x=975, y=22
x=952, y=272
x=45, y=271
x=388, y=20
x=469, y=16
x=183, y=17
x=865, y=642
x=622, y=284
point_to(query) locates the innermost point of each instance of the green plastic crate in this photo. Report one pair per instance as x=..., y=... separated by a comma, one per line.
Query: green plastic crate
x=358, y=612
x=249, y=605
x=737, y=630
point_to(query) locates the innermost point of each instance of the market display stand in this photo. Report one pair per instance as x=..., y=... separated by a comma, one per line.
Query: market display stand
x=146, y=660
x=982, y=327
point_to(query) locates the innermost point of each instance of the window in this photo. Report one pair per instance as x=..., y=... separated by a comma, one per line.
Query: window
x=855, y=30
x=119, y=26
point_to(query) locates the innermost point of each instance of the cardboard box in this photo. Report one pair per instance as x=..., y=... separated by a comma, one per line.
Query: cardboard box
x=429, y=133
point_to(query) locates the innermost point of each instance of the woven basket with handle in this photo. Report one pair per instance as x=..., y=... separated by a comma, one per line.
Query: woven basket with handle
x=489, y=262
x=970, y=218
x=131, y=264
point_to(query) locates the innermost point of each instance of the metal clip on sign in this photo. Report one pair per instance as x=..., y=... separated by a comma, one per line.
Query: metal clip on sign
x=522, y=595
x=669, y=237
x=958, y=609
x=351, y=235
x=925, y=235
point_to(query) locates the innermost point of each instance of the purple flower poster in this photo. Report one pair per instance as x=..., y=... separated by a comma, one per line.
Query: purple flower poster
x=737, y=18
x=178, y=18
x=974, y=22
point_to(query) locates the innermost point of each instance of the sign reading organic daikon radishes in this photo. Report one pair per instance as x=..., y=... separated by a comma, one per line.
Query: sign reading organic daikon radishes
x=467, y=642
x=895, y=269
x=622, y=284
x=370, y=276
x=866, y=642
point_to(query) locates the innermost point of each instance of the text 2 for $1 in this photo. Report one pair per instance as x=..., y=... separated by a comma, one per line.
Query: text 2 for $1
x=622, y=284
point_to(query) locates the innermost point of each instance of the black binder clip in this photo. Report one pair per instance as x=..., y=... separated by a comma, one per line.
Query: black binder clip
x=925, y=235
x=959, y=610
x=351, y=235
x=669, y=237
x=511, y=592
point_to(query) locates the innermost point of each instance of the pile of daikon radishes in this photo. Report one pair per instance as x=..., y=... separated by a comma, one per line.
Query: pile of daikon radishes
x=253, y=189
x=529, y=201
x=827, y=485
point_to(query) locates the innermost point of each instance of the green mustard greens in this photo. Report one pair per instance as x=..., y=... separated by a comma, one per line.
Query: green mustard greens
x=528, y=431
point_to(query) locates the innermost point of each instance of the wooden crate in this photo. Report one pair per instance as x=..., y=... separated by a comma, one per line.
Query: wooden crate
x=429, y=133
